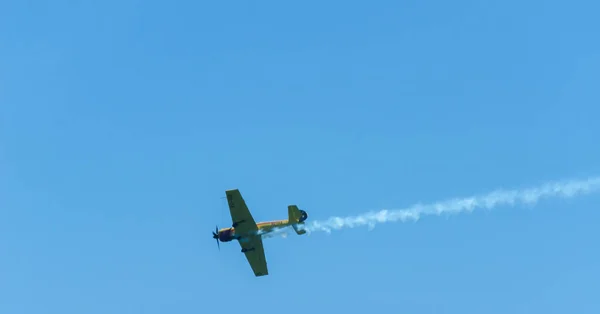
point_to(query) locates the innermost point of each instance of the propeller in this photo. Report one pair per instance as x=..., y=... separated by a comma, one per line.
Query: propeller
x=216, y=236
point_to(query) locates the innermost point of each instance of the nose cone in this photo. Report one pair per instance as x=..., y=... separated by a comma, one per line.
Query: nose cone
x=215, y=233
x=216, y=236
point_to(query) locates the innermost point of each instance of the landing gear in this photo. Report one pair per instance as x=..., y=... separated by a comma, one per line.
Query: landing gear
x=247, y=250
x=235, y=224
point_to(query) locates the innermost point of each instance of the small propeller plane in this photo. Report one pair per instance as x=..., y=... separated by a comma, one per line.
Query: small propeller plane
x=249, y=233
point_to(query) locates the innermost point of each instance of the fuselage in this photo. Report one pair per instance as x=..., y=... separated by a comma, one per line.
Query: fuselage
x=229, y=234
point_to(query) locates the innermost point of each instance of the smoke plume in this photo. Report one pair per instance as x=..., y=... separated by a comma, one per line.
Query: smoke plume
x=528, y=196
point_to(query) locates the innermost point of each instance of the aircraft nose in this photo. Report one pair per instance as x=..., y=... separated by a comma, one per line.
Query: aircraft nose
x=215, y=233
x=216, y=236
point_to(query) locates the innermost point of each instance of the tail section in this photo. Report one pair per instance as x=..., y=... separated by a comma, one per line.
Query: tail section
x=297, y=217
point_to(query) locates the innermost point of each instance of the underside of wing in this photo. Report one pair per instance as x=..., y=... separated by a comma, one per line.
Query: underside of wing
x=242, y=220
x=255, y=254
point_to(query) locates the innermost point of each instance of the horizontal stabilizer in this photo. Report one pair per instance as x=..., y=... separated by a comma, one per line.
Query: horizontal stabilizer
x=297, y=228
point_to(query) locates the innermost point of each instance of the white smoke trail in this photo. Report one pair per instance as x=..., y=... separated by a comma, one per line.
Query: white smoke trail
x=528, y=196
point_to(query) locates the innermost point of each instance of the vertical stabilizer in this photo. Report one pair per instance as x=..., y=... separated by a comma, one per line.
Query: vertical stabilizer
x=297, y=217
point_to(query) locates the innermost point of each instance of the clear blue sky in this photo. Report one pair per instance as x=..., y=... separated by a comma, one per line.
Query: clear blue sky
x=123, y=122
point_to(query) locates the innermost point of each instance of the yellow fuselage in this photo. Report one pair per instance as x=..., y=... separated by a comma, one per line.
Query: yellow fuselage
x=228, y=234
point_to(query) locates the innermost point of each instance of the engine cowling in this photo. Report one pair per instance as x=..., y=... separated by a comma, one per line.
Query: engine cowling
x=226, y=235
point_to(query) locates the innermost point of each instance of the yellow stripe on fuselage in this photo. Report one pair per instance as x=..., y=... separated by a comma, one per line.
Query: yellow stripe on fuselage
x=269, y=225
x=266, y=226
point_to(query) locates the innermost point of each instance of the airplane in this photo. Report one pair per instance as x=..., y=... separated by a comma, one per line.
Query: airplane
x=249, y=233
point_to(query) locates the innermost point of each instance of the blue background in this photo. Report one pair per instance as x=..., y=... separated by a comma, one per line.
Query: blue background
x=123, y=122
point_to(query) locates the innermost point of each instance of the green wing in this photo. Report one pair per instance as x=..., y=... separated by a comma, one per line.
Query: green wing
x=255, y=255
x=240, y=214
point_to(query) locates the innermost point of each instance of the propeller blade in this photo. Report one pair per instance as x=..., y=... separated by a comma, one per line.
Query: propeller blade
x=216, y=236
